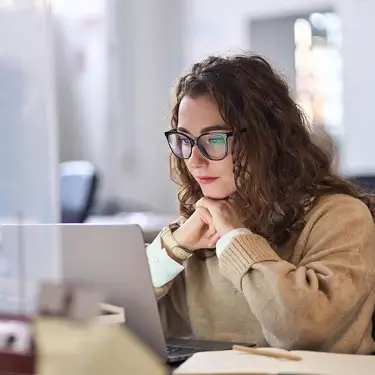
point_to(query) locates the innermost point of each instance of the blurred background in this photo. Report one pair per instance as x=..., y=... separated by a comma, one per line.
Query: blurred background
x=85, y=85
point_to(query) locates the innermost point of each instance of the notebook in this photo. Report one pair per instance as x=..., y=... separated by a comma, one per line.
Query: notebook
x=312, y=363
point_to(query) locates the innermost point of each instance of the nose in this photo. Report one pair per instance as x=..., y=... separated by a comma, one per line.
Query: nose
x=197, y=159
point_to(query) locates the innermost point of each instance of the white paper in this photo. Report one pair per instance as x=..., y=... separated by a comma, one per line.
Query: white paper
x=234, y=362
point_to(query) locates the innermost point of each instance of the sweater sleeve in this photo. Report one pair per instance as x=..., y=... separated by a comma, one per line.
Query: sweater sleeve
x=296, y=305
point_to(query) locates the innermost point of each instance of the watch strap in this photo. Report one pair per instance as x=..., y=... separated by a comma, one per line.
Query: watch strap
x=173, y=246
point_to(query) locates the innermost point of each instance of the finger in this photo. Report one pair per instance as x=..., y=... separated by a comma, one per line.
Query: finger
x=213, y=241
x=206, y=219
x=204, y=215
x=217, y=208
x=211, y=245
x=206, y=203
x=199, y=201
x=203, y=202
x=211, y=230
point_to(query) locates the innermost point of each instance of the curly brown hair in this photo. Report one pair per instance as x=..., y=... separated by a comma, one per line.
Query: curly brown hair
x=279, y=172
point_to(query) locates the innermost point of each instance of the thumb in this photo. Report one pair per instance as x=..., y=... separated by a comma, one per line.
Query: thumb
x=213, y=240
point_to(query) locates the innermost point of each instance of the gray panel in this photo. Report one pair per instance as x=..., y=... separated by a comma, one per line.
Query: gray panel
x=273, y=38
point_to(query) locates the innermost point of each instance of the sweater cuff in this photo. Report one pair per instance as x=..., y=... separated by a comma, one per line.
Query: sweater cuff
x=241, y=254
x=224, y=241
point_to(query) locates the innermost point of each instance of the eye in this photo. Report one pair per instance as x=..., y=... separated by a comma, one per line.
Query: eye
x=216, y=139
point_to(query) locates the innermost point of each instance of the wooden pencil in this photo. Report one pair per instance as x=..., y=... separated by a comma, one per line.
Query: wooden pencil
x=267, y=353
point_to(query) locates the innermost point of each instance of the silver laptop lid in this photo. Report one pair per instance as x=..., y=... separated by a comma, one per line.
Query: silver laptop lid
x=109, y=257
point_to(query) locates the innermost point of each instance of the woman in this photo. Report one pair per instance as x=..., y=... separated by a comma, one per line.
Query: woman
x=273, y=248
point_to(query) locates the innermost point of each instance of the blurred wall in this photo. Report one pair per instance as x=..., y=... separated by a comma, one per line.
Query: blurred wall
x=28, y=152
x=82, y=62
x=274, y=39
x=117, y=61
x=227, y=30
x=149, y=40
x=359, y=84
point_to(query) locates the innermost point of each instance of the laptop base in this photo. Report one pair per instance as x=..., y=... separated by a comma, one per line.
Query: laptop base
x=179, y=350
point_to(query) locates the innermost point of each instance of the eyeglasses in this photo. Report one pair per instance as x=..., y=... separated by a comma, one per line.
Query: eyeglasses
x=213, y=145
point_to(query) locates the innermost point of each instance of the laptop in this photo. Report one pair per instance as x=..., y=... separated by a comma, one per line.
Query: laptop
x=111, y=257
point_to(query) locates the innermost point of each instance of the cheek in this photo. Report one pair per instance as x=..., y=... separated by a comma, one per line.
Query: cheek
x=187, y=165
x=225, y=169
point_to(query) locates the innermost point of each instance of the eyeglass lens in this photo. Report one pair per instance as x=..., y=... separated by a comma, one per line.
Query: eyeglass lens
x=212, y=145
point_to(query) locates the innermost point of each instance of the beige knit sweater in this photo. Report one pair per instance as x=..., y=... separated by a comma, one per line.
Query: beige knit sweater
x=315, y=292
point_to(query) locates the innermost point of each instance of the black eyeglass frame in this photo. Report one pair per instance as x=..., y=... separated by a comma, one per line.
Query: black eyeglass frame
x=194, y=142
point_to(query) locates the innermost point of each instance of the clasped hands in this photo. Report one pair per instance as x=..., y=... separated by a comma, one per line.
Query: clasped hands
x=211, y=220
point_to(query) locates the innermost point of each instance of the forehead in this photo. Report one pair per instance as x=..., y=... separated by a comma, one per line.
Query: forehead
x=196, y=114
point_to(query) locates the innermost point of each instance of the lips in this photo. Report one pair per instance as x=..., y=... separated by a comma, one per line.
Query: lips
x=206, y=180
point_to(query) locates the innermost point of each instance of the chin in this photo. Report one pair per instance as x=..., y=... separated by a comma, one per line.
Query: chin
x=215, y=194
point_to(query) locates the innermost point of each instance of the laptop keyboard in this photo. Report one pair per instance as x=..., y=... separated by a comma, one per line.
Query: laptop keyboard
x=171, y=349
x=174, y=349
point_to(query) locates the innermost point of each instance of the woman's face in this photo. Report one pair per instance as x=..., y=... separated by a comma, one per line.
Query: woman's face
x=198, y=116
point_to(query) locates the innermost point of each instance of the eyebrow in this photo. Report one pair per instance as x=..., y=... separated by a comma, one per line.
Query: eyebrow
x=207, y=128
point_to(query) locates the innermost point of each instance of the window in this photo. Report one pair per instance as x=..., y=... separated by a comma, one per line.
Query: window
x=319, y=88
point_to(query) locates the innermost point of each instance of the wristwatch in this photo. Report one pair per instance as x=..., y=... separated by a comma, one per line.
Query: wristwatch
x=174, y=247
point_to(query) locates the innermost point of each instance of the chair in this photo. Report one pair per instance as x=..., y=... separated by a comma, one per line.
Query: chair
x=78, y=187
x=364, y=182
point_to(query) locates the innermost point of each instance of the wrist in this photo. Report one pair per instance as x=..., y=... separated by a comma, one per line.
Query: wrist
x=173, y=248
x=181, y=239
